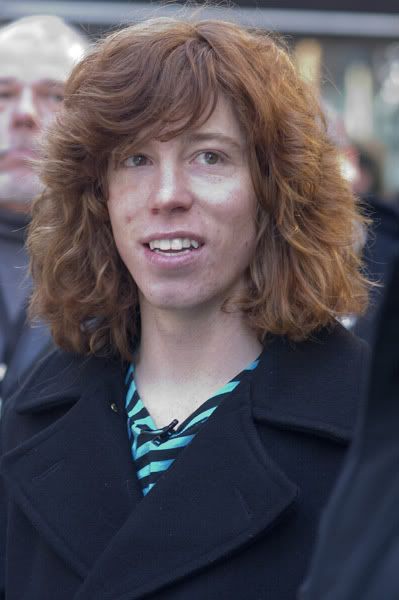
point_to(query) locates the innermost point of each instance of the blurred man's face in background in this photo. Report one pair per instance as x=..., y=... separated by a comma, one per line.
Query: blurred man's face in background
x=34, y=64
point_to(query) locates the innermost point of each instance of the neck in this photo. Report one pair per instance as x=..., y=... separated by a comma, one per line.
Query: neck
x=181, y=348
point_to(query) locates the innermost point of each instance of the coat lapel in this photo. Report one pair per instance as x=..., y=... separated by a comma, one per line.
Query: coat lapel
x=75, y=479
x=221, y=492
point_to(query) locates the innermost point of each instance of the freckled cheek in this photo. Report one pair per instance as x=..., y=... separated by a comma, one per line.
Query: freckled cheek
x=122, y=204
x=244, y=230
x=238, y=214
x=121, y=222
x=236, y=239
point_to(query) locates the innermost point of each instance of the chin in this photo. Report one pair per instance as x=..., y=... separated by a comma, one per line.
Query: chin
x=170, y=299
x=174, y=304
x=191, y=303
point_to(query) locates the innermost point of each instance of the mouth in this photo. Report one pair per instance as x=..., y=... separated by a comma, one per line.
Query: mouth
x=173, y=246
x=17, y=155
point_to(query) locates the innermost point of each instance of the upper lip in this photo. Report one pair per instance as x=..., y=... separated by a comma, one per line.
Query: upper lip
x=27, y=151
x=172, y=235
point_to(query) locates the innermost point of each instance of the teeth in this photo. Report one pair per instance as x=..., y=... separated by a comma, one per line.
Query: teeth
x=164, y=245
x=174, y=244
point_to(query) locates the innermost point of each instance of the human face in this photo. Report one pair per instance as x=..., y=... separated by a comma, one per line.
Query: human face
x=196, y=186
x=33, y=70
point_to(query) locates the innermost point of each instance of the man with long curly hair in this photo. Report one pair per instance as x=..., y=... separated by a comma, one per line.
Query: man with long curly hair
x=192, y=251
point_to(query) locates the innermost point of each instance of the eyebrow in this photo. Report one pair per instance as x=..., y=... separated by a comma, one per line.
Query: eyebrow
x=49, y=82
x=210, y=136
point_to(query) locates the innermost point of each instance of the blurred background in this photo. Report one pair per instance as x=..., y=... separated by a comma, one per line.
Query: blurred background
x=347, y=48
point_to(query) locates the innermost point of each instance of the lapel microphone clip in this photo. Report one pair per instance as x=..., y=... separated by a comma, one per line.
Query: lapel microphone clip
x=166, y=432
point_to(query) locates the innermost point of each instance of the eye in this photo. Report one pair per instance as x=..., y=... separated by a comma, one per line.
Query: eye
x=5, y=94
x=210, y=158
x=52, y=93
x=137, y=160
x=56, y=97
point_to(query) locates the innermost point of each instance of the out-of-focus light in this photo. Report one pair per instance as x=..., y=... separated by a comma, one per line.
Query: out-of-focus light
x=76, y=51
x=359, y=97
x=348, y=322
x=348, y=169
x=390, y=92
x=394, y=73
x=335, y=126
x=308, y=53
x=389, y=76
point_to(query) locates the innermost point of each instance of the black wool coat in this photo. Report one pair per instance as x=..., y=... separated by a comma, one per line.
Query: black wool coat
x=357, y=554
x=234, y=517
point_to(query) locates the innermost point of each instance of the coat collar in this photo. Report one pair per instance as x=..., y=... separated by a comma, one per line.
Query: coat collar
x=225, y=475
x=63, y=378
x=287, y=392
x=313, y=386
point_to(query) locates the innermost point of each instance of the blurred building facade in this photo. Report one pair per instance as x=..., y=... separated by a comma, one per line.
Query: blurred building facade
x=348, y=48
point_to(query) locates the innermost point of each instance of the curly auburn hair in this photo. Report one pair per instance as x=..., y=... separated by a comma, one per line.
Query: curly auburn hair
x=162, y=77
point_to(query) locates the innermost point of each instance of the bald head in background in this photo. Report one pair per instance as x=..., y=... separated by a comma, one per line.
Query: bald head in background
x=36, y=57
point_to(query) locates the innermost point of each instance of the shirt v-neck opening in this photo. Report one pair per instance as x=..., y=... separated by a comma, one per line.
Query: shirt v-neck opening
x=154, y=449
x=224, y=390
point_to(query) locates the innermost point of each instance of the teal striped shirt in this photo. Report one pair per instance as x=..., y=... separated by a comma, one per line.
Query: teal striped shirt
x=154, y=449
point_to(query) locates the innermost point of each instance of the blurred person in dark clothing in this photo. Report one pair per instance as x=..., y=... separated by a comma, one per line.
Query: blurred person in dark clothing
x=357, y=555
x=367, y=182
x=382, y=241
x=36, y=55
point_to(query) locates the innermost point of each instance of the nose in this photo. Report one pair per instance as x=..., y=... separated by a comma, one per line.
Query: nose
x=26, y=112
x=171, y=192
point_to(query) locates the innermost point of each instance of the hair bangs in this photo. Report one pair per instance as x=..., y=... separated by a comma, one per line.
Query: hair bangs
x=182, y=95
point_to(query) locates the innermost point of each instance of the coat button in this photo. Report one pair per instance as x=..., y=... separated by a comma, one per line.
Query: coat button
x=114, y=407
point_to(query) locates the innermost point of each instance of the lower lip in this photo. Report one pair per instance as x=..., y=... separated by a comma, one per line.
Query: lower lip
x=173, y=261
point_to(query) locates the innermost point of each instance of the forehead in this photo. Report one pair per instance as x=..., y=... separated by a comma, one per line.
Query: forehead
x=221, y=122
x=223, y=119
x=31, y=54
